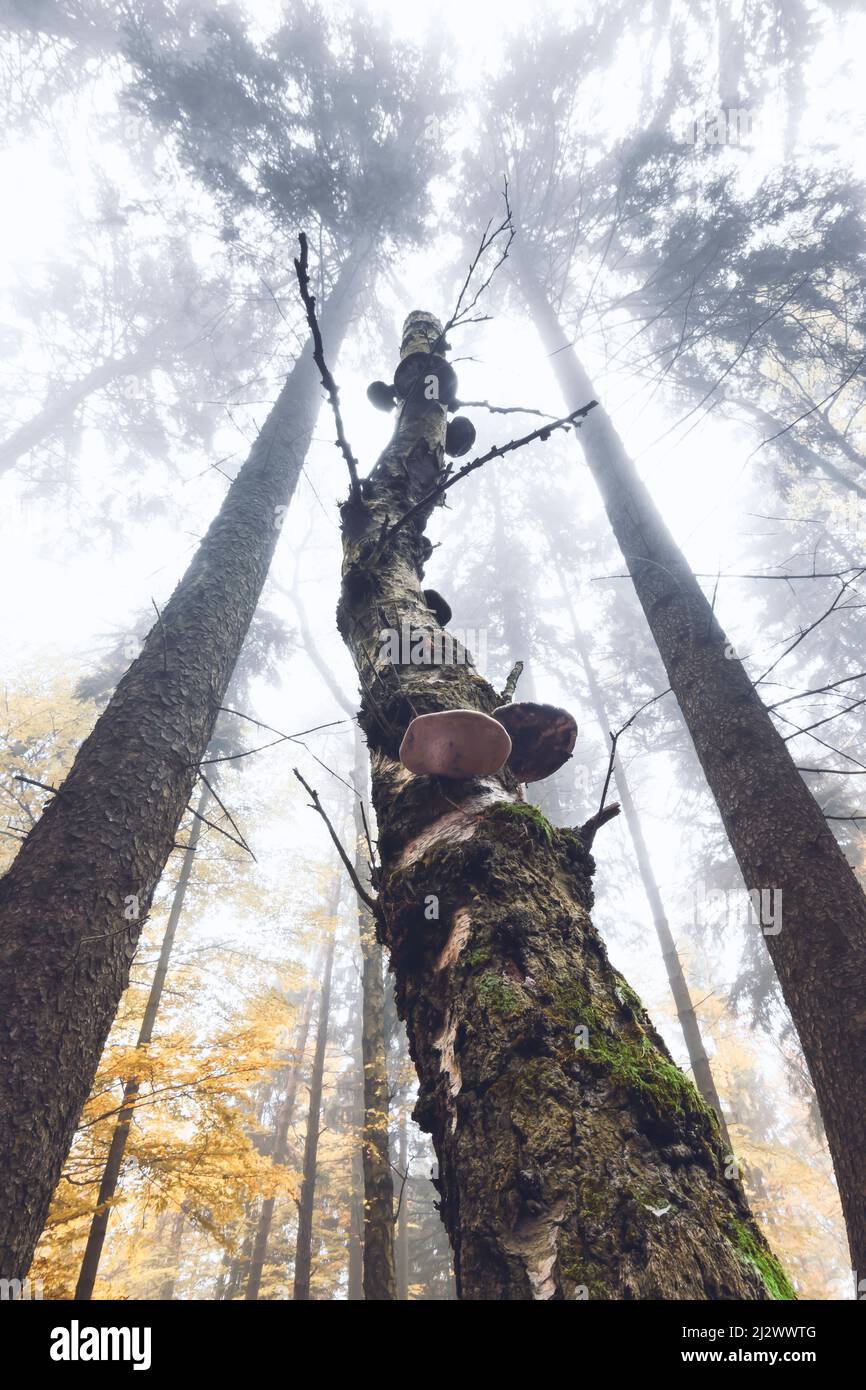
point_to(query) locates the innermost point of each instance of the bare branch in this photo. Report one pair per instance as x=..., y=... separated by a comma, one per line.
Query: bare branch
x=371, y=903
x=328, y=381
x=498, y=451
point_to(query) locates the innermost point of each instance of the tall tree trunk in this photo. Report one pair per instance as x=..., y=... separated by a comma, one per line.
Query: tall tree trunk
x=280, y=1149
x=380, y=1280
x=691, y=1029
x=777, y=830
x=574, y=1158
x=403, y=1218
x=117, y=1148
x=73, y=902
x=304, y=1245
x=355, y=1237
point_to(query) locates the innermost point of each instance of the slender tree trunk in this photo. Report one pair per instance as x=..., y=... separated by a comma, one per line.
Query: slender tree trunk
x=777, y=830
x=380, y=1280
x=304, y=1246
x=117, y=1148
x=166, y=1292
x=403, y=1219
x=561, y=1127
x=73, y=902
x=280, y=1150
x=691, y=1029
x=355, y=1238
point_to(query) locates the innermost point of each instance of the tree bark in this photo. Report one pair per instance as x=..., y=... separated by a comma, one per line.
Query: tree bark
x=575, y=1159
x=74, y=900
x=280, y=1150
x=304, y=1245
x=776, y=828
x=117, y=1148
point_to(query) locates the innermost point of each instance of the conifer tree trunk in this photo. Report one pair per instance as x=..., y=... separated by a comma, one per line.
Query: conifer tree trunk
x=280, y=1149
x=574, y=1158
x=380, y=1280
x=117, y=1148
x=680, y=992
x=73, y=902
x=776, y=829
x=304, y=1244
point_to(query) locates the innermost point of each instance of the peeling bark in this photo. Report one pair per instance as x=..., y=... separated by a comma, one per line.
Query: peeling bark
x=73, y=903
x=561, y=1126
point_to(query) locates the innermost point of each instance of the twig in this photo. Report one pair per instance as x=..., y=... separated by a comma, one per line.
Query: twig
x=511, y=684
x=371, y=903
x=213, y=826
x=503, y=409
x=31, y=782
x=232, y=822
x=328, y=381
x=543, y=432
x=462, y=312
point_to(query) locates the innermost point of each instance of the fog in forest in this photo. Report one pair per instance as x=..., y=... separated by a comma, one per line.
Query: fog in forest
x=444, y=1079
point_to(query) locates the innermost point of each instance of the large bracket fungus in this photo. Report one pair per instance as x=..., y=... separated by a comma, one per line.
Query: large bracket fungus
x=456, y=743
x=542, y=738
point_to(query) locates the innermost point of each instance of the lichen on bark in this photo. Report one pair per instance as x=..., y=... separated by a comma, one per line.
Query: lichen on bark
x=575, y=1159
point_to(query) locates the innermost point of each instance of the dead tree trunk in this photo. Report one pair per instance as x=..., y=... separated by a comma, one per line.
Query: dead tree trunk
x=73, y=902
x=304, y=1245
x=117, y=1148
x=380, y=1280
x=777, y=830
x=280, y=1148
x=565, y=1170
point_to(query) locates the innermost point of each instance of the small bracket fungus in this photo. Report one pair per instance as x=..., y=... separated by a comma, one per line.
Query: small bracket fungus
x=457, y=743
x=459, y=436
x=438, y=606
x=542, y=738
x=381, y=395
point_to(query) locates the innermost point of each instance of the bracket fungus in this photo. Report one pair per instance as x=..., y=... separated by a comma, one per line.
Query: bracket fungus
x=422, y=367
x=542, y=738
x=438, y=606
x=459, y=436
x=381, y=395
x=456, y=743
